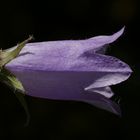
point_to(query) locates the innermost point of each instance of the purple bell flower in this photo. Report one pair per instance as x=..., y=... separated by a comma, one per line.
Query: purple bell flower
x=75, y=70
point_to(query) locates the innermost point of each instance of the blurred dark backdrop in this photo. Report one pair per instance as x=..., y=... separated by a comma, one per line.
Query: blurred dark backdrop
x=72, y=19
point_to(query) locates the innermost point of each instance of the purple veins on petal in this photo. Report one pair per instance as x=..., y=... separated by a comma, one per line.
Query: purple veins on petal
x=71, y=70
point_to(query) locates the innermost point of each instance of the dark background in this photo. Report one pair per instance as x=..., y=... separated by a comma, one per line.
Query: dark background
x=72, y=19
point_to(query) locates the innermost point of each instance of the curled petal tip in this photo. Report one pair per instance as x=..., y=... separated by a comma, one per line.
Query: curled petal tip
x=119, y=33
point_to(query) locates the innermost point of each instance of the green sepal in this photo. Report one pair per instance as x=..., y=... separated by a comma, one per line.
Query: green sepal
x=9, y=54
x=9, y=79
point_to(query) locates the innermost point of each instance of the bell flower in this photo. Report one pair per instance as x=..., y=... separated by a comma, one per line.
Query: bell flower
x=76, y=70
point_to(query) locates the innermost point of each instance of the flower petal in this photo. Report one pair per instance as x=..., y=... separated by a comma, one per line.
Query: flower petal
x=64, y=86
x=104, y=103
x=105, y=91
x=57, y=53
x=99, y=43
x=109, y=70
x=102, y=39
